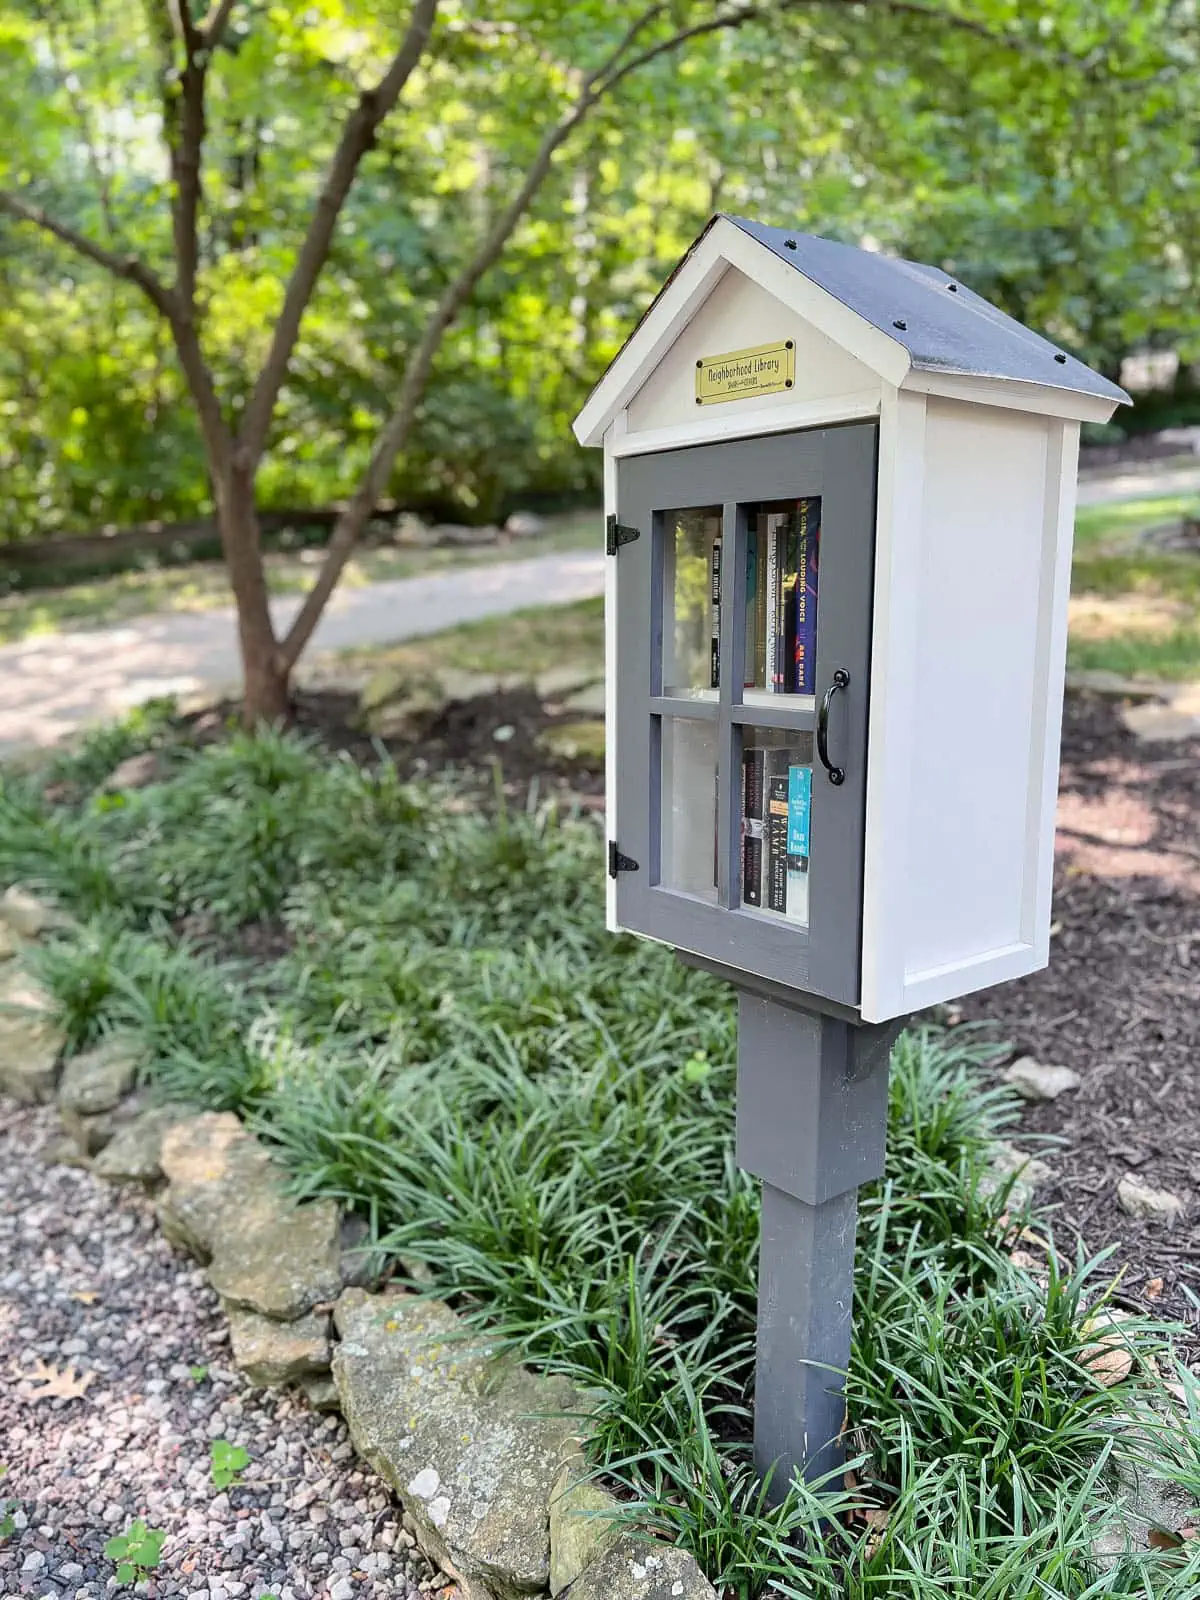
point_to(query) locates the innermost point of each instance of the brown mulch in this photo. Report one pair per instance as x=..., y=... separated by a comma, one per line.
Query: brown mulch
x=462, y=736
x=1120, y=1001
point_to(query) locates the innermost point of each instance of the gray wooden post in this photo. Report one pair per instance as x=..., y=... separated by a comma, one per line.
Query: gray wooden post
x=812, y=1124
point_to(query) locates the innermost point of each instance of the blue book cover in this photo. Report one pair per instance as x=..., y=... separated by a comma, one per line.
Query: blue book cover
x=799, y=811
x=808, y=541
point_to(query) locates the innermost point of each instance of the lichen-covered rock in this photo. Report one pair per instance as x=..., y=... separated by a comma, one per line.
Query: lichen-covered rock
x=472, y=1445
x=226, y=1203
x=271, y=1353
x=134, y=1153
x=1141, y=1199
x=31, y=1042
x=582, y=1522
x=320, y=1391
x=100, y=1078
x=26, y=915
x=631, y=1568
x=1039, y=1080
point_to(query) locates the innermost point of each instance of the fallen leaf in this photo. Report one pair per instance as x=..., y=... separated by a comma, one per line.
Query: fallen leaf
x=1055, y=929
x=1153, y=1289
x=86, y=1297
x=1160, y=1539
x=56, y=1385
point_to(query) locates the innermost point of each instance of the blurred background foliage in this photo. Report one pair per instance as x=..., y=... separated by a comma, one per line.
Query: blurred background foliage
x=1056, y=173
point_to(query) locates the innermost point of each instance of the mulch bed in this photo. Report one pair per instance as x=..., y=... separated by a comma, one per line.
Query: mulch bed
x=1120, y=1001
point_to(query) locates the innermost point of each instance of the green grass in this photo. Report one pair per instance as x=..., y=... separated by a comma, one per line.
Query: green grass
x=523, y=642
x=542, y=1116
x=202, y=585
x=1118, y=520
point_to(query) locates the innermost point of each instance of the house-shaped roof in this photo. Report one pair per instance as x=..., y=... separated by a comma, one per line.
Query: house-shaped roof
x=940, y=325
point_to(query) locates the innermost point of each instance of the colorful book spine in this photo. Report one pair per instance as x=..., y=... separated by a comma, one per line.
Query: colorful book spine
x=775, y=828
x=752, y=826
x=714, y=671
x=749, y=676
x=804, y=676
x=799, y=818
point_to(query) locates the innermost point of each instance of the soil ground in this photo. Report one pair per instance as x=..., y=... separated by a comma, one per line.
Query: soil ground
x=1120, y=1002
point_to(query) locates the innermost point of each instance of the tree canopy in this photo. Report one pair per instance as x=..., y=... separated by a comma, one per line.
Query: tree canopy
x=1045, y=155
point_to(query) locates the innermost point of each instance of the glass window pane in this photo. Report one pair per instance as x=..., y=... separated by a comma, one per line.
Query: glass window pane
x=692, y=546
x=688, y=854
x=783, y=542
x=776, y=804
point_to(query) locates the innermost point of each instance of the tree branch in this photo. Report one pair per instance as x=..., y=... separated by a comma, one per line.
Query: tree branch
x=358, y=136
x=130, y=268
x=600, y=82
x=212, y=29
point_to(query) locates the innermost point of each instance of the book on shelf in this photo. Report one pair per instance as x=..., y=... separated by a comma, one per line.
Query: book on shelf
x=776, y=811
x=714, y=668
x=752, y=824
x=804, y=638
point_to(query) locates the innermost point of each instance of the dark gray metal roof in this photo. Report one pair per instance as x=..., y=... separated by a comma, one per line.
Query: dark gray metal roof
x=943, y=328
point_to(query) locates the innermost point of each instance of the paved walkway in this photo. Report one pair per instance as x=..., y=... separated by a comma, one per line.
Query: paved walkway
x=50, y=685
x=54, y=683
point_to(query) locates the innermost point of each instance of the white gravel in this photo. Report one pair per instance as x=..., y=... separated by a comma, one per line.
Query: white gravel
x=86, y=1280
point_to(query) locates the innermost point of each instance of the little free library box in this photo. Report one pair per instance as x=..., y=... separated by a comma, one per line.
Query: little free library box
x=840, y=494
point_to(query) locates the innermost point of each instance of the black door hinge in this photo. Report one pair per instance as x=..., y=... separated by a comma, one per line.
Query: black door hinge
x=619, y=534
x=617, y=862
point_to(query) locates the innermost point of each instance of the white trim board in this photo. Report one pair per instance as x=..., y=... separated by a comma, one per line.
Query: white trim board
x=716, y=427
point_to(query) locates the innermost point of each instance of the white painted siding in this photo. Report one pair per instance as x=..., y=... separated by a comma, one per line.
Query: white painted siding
x=737, y=315
x=986, y=622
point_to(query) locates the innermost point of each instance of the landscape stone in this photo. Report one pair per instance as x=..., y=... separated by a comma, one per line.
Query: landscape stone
x=31, y=1042
x=1113, y=685
x=632, y=1568
x=574, y=741
x=473, y=1446
x=226, y=1203
x=26, y=915
x=588, y=702
x=1139, y=1199
x=461, y=686
x=100, y=1078
x=320, y=1391
x=1028, y=1172
x=11, y=943
x=1153, y=724
x=1037, y=1080
x=524, y=524
x=582, y=1521
x=134, y=1153
x=270, y=1353
x=135, y=772
x=565, y=679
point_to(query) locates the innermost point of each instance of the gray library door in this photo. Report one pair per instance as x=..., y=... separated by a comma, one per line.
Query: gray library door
x=743, y=658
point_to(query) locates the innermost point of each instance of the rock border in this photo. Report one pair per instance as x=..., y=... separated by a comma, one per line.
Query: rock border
x=485, y=1456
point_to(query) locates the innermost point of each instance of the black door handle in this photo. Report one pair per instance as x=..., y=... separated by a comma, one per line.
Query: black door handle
x=841, y=680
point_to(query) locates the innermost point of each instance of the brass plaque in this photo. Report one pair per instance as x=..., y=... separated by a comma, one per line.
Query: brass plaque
x=740, y=374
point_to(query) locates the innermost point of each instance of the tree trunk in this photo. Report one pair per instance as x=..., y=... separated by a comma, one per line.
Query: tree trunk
x=267, y=696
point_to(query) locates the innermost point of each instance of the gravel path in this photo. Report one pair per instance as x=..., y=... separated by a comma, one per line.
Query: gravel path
x=87, y=1281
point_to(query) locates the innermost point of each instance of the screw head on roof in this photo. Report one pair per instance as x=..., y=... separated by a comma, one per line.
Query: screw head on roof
x=953, y=288
x=1061, y=359
x=900, y=323
x=789, y=244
